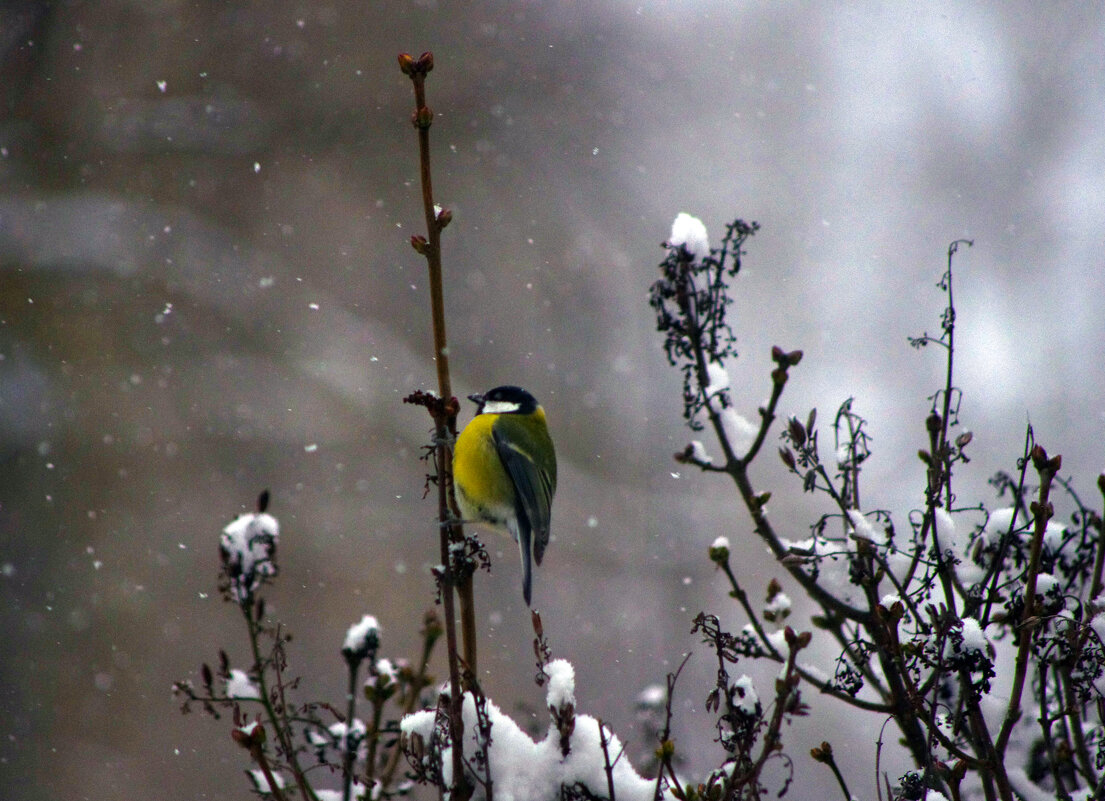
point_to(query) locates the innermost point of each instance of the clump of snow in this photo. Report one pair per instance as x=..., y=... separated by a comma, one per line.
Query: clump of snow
x=362, y=638
x=973, y=637
x=357, y=790
x=778, y=607
x=998, y=524
x=690, y=233
x=934, y=795
x=1045, y=583
x=343, y=736
x=698, y=453
x=384, y=673
x=1054, y=535
x=719, y=378
x=815, y=672
x=248, y=545
x=778, y=640
x=890, y=599
x=862, y=528
x=740, y=432
x=745, y=694
x=562, y=684
x=420, y=723
x=261, y=782
x=240, y=686
x=720, y=542
x=524, y=770
x=948, y=532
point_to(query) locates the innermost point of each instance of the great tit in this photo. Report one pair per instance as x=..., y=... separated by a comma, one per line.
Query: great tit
x=504, y=471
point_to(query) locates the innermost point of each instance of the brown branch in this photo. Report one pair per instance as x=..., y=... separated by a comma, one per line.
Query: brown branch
x=607, y=765
x=444, y=415
x=1042, y=509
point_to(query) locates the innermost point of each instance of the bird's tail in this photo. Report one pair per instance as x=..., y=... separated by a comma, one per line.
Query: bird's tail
x=523, y=535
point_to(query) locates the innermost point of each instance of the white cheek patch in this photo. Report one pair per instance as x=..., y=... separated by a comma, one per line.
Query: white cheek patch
x=500, y=407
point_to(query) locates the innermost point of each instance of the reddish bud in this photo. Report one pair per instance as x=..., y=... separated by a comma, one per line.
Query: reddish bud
x=822, y=753
x=406, y=63
x=788, y=460
x=797, y=432
x=1046, y=511
x=423, y=117
x=426, y=61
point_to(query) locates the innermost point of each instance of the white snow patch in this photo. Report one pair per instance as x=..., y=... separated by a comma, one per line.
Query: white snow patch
x=240, y=686
x=524, y=770
x=562, y=684
x=362, y=637
x=690, y=233
x=747, y=700
x=698, y=453
x=740, y=432
x=861, y=527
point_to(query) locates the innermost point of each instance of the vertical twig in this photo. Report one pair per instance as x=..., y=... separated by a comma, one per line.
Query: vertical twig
x=444, y=416
x=1099, y=557
x=609, y=768
x=1027, y=625
x=349, y=749
x=254, y=625
x=258, y=754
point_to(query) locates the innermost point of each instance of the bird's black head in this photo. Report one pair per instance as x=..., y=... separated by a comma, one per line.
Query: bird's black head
x=505, y=400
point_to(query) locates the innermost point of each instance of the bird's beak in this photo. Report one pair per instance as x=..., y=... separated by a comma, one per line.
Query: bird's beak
x=476, y=399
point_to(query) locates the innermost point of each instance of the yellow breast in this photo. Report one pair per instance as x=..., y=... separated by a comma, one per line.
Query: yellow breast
x=484, y=490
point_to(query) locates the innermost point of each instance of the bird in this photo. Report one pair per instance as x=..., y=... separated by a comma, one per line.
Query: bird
x=504, y=472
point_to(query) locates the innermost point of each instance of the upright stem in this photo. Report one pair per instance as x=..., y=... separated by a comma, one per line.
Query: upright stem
x=423, y=118
x=281, y=731
x=1027, y=625
x=444, y=422
x=349, y=750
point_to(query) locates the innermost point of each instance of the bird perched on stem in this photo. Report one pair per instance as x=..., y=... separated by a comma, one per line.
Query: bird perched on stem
x=504, y=472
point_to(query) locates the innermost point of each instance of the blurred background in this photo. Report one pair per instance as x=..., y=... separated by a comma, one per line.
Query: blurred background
x=207, y=290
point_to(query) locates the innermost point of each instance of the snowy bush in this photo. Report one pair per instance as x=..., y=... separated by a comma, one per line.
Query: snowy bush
x=976, y=631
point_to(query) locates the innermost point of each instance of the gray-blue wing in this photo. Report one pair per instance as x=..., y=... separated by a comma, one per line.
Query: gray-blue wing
x=533, y=485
